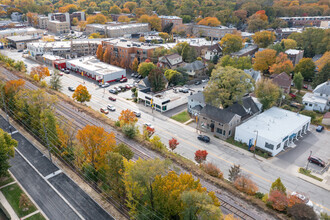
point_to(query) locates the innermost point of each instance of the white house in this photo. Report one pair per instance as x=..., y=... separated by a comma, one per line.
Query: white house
x=319, y=100
x=274, y=129
x=196, y=103
x=212, y=51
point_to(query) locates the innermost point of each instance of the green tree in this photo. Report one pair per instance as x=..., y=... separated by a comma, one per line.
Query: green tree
x=174, y=77
x=55, y=81
x=238, y=63
x=306, y=67
x=267, y=93
x=231, y=43
x=264, y=38
x=124, y=151
x=81, y=94
x=199, y=205
x=298, y=80
x=145, y=68
x=322, y=76
x=226, y=86
x=114, y=10
x=278, y=185
x=156, y=79
x=289, y=44
x=7, y=150
x=278, y=47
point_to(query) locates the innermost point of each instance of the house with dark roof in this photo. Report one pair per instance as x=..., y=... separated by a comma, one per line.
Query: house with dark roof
x=221, y=122
x=195, y=69
x=212, y=51
x=171, y=61
x=283, y=80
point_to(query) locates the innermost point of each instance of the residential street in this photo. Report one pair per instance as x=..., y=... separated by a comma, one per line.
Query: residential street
x=54, y=192
x=262, y=171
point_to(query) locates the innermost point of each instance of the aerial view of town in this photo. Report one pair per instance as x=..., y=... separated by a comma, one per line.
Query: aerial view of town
x=165, y=109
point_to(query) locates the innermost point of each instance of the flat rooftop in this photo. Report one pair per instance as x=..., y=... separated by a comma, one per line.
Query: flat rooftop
x=275, y=123
x=92, y=64
x=18, y=38
x=169, y=17
x=309, y=97
x=118, y=26
x=20, y=30
x=62, y=44
x=129, y=44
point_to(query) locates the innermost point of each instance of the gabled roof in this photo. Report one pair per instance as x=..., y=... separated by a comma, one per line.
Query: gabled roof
x=246, y=109
x=282, y=80
x=323, y=88
x=217, y=114
x=199, y=96
x=169, y=58
x=255, y=74
x=215, y=47
x=196, y=65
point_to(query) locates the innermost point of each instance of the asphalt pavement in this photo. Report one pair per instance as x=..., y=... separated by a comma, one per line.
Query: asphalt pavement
x=58, y=196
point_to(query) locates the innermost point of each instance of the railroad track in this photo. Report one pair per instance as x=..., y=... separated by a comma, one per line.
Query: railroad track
x=81, y=119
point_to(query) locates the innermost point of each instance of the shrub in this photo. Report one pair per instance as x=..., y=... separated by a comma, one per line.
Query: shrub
x=133, y=90
x=244, y=184
x=302, y=211
x=117, y=123
x=173, y=143
x=212, y=170
x=259, y=195
x=129, y=130
x=200, y=156
x=278, y=200
x=155, y=141
x=43, y=84
x=234, y=172
x=324, y=216
x=265, y=198
x=124, y=150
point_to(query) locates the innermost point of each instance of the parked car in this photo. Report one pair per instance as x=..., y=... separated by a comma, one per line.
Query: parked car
x=305, y=86
x=140, y=76
x=292, y=95
x=117, y=89
x=148, y=125
x=111, y=108
x=123, y=80
x=72, y=89
x=104, y=111
x=113, y=91
x=319, y=128
x=186, y=90
x=203, y=138
x=105, y=85
x=137, y=114
x=128, y=86
x=20, y=51
x=112, y=98
x=303, y=198
x=133, y=75
x=123, y=88
x=67, y=71
x=60, y=73
x=205, y=80
x=197, y=83
x=316, y=161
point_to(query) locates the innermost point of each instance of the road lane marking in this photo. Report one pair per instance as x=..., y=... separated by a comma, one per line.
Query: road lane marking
x=53, y=174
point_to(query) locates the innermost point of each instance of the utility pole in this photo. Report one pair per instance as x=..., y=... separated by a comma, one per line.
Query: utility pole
x=4, y=105
x=255, y=144
x=308, y=160
x=47, y=142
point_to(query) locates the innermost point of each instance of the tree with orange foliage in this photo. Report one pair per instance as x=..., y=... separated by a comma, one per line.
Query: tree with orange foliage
x=200, y=156
x=262, y=15
x=244, y=184
x=127, y=117
x=32, y=18
x=13, y=86
x=96, y=19
x=173, y=143
x=95, y=142
x=282, y=64
x=125, y=11
x=210, y=21
x=257, y=21
x=106, y=55
x=278, y=200
x=294, y=199
x=123, y=18
x=130, y=5
x=153, y=20
x=81, y=94
x=99, y=52
x=68, y=8
x=230, y=217
x=264, y=38
x=39, y=72
x=264, y=59
x=135, y=65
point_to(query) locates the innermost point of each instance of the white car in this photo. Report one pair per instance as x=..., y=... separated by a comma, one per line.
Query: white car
x=148, y=125
x=105, y=85
x=111, y=108
x=303, y=198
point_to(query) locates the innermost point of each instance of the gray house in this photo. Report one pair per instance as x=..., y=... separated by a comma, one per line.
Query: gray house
x=195, y=69
x=196, y=103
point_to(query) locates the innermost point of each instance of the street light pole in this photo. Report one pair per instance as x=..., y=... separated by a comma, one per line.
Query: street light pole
x=308, y=160
x=255, y=144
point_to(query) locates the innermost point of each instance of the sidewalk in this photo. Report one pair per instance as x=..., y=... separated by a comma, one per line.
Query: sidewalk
x=8, y=207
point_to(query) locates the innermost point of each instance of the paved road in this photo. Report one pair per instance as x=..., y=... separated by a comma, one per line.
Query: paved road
x=262, y=172
x=54, y=192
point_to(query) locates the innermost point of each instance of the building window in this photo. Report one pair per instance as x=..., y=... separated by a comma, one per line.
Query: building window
x=310, y=105
x=278, y=146
x=269, y=146
x=219, y=130
x=224, y=132
x=229, y=132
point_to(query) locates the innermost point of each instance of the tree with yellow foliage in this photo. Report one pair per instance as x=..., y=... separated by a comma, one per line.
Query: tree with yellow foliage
x=74, y=22
x=127, y=117
x=325, y=59
x=68, y=8
x=114, y=10
x=130, y=5
x=95, y=142
x=99, y=52
x=264, y=38
x=264, y=59
x=96, y=19
x=289, y=44
x=282, y=64
x=123, y=18
x=81, y=94
x=135, y=65
x=231, y=43
x=210, y=21
x=32, y=18
x=39, y=72
x=82, y=25
x=153, y=20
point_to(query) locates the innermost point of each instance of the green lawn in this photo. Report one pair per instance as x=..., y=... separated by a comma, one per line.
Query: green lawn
x=6, y=180
x=13, y=194
x=181, y=117
x=37, y=216
x=308, y=173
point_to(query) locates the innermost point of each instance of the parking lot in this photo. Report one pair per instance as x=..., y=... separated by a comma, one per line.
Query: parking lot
x=315, y=142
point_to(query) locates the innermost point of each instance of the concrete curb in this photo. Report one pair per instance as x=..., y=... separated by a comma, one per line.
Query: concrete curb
x=313, y=181
x=8, y=207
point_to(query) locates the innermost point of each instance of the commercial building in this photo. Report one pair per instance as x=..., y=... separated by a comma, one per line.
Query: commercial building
x=116, y=29
x=175, y=20
x=21, y=31
x=319, y=100
x=215, y=33
x=43, y=22
x=52, y=60
x=94, y=69
x=125, y=51
x=305, y=21
x=283, y=33
x=58, y=27
x=19, y=42
x=295, y=55
x=247, y=51
x=274, y=130
x=65, y=49
x=80, y=15
x=62, y=17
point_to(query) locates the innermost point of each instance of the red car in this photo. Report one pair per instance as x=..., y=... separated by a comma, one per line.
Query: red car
x=123, y=80
x=305, y=86
x=112, y=98
x=104, y=111
x=292, y=95
x=128, y=86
